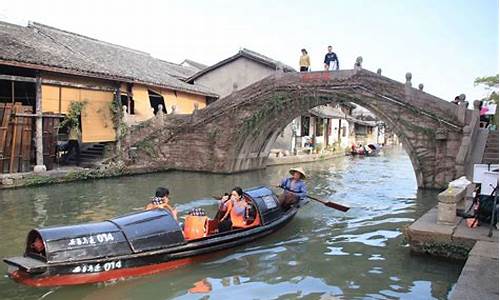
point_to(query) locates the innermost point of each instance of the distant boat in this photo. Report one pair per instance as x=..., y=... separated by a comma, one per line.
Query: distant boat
x=136, y=244
x=368, y=150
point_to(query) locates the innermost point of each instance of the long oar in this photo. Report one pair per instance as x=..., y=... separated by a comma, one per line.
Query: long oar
x=334, y=205
x=331, y=204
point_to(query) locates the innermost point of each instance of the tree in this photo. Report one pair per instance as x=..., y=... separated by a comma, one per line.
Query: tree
x=491, y=84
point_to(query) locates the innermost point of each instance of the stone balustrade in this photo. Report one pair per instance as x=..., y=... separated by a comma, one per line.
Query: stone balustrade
x=453, y=198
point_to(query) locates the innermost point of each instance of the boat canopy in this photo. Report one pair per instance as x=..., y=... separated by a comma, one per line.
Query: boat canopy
x=128, y=234
x=266, y=202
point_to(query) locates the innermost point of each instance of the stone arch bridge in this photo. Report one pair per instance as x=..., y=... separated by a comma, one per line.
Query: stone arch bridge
x=236, y=133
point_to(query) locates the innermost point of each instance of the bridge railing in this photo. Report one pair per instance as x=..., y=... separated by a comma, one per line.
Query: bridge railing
x=470, y=132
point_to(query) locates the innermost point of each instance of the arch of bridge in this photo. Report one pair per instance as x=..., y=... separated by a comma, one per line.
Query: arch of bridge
x=236, y=133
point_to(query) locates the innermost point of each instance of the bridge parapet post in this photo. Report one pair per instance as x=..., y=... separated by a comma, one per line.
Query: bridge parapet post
x=408, y=79
x=421, y=86
x=462, y=109
x=159, y=114
x=379, y=71
x=451, y=199
x=358, y=64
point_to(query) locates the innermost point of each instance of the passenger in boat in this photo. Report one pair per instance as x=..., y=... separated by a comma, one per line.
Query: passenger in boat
x=238, y=211
x=294, y=188
x=224, y=224
x=195, y=224
x=223, y=204
x=161, y=200
x=361, y=149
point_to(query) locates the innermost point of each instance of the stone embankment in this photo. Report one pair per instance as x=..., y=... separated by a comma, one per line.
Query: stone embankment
x=441, y=233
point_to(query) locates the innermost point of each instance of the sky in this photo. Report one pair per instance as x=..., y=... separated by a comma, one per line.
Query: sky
x=445, y=44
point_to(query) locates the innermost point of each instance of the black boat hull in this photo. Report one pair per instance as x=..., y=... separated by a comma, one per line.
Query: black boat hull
x=139, y=264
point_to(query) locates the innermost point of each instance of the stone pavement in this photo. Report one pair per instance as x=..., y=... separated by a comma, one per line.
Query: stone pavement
x=479, y=277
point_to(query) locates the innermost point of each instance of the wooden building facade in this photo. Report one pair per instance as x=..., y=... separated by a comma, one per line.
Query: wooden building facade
x=44, y=69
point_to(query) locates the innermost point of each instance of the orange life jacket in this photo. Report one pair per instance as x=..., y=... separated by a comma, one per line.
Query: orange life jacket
x=195, y=227
x=238, y=220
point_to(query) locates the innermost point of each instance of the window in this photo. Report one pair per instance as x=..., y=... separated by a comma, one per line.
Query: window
x=304, y=125
x=319, y=126
x=17, y=91
x=155, y=100
x=129, y=103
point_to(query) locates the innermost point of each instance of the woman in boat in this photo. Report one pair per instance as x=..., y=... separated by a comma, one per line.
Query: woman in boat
x=237, y=210
x=161, y=200
x=294, y=188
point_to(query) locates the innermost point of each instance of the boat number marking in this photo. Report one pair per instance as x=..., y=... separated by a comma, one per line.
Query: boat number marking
x=269, y=202
x=93, y=268
x=92, y=239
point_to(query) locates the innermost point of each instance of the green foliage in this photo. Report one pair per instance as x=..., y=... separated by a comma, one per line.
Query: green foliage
x=75, y=110
x=39, y=180
x=491, y=84
x=318, y=148
x=117, y=118
x=489, y=81
x=446, y=250
x=147, y=146
x=276, y=104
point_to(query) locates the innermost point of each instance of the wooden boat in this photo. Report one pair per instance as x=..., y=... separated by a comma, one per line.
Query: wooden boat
x=373, y=150
x=132, y=245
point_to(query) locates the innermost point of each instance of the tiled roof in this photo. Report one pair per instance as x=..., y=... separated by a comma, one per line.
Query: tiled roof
x=42, y=45
x=255, y=56
x=326, y=111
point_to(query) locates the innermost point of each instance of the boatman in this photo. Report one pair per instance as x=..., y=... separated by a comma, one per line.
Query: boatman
x=294, y=188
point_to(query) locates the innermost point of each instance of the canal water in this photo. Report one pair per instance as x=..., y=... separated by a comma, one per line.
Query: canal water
x=321, y=254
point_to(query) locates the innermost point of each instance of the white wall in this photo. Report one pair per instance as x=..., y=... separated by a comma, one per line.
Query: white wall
x=234, y=76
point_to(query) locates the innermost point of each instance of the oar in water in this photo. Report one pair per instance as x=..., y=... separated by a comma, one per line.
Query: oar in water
x=337, y=206
x=334, y=205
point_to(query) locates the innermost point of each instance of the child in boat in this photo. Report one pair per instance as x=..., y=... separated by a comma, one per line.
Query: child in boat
x=161, y=200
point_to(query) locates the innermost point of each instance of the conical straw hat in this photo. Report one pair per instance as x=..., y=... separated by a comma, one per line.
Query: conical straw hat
x=300, y=170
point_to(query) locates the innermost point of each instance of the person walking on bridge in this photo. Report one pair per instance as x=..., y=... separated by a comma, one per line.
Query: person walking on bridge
x=331, y=60
x=304, y=61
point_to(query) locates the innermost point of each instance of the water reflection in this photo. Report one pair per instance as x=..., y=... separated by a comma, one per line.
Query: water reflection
x=321, y=254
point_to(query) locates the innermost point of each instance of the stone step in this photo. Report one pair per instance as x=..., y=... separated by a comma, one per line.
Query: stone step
x=94, y=150
x=490, y=154
x=491, y=162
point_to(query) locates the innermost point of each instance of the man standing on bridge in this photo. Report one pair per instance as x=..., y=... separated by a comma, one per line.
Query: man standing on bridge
x=331, y=60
